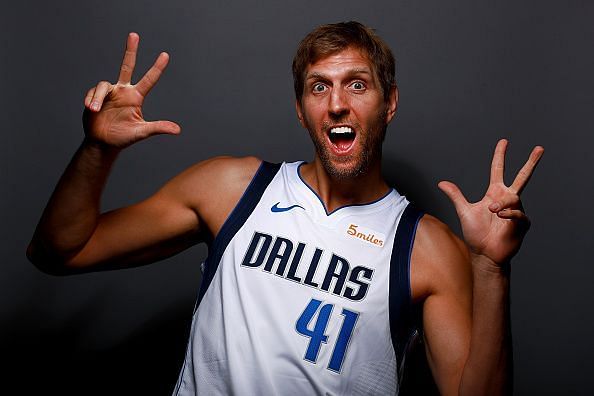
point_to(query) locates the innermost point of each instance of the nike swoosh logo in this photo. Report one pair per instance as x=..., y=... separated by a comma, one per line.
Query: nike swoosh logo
x=276, y=209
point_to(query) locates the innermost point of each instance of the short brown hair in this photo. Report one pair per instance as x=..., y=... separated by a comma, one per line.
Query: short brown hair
x=329, y=39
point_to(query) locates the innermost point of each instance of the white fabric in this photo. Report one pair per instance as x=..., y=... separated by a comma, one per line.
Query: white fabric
x=244, y=338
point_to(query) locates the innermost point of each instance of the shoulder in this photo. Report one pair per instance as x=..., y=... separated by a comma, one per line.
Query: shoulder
x=213, y=187
x=220, y=170
x=440, y=260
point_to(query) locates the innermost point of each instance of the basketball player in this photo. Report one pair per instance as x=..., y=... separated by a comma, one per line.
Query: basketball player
x=315, y=270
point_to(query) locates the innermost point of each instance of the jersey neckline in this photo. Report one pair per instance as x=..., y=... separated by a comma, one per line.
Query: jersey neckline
x=342, y=209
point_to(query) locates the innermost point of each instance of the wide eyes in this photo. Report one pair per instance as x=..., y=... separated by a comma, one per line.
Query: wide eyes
x=357, y=86
x=319, y=88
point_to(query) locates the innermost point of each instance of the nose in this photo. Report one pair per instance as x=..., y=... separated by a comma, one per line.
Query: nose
x=338, y=103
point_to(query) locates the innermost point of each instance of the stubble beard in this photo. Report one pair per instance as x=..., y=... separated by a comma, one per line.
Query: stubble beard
x=371, y=151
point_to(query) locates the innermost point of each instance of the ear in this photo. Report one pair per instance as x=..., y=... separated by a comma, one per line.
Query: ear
x=299, y=112
x=392, y=103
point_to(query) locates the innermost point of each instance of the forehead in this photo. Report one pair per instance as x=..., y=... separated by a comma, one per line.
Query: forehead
x=348, y=60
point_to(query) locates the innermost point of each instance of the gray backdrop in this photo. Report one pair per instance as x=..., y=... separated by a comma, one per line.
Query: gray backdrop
x=469, y=73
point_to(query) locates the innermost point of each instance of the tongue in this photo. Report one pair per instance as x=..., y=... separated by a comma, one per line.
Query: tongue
x=343, y=143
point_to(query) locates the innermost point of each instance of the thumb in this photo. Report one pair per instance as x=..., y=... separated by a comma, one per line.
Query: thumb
x=454, y=194
x=159, y=127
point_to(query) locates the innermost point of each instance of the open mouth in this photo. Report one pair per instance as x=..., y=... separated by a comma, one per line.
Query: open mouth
x=342, y=138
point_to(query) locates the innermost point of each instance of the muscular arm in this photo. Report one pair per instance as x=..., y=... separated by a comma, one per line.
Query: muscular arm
x=73, y=236
x=465, y=313
x=466, y=308
x=442, y=281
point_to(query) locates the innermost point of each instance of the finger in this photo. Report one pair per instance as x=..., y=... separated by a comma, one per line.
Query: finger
x=498, y=162
x=158, y=128
x=88, y=97
x=454, y=194
x=510, y=201
x=151, y=77
x=129, y=60
x=517, y=215
x=526, y=172
x=101, y=91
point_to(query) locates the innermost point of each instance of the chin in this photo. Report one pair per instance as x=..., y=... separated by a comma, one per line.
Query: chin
x=345, y=168
x=350, y=166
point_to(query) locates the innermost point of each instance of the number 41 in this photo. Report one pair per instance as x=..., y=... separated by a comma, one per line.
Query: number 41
x=317, y=336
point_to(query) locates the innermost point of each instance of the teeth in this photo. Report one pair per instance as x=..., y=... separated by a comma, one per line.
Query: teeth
x=341, y=130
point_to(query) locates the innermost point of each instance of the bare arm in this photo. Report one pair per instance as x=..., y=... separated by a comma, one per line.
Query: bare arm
x=442, y=279
x=112, y=120
x=186, y=210
x=466, y=312
x=73, y=235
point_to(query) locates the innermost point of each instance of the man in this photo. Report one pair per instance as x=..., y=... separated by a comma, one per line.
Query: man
x=315, y=270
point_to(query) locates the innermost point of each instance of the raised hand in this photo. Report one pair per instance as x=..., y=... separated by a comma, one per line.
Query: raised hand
x=113, y=112
x=495, y=226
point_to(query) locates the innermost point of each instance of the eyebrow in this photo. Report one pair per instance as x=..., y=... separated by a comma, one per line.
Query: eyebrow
x=350, y=73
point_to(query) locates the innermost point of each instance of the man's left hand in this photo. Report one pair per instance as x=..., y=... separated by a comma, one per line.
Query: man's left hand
x=495, y=226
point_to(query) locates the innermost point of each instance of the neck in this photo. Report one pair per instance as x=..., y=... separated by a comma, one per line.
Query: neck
x=367, y=187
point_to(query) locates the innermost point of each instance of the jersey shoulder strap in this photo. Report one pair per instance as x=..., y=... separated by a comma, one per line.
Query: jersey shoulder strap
x=403, y=319
x=244, y=208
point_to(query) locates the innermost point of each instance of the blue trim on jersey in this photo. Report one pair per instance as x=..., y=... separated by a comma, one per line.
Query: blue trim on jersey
x=244, y=208
x=403, y=318
x=410, y=249
x=342, y=207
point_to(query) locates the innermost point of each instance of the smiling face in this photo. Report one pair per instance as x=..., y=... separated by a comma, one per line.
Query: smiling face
x=344, y=110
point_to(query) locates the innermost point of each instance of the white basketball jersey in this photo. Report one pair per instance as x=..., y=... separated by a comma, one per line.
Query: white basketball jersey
x=298, y=301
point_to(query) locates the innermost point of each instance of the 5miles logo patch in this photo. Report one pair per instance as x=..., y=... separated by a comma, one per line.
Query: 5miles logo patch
x=366, y=235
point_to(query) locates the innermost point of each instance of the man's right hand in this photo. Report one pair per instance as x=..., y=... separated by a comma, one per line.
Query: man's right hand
x=74, y=236
x=113, y=112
